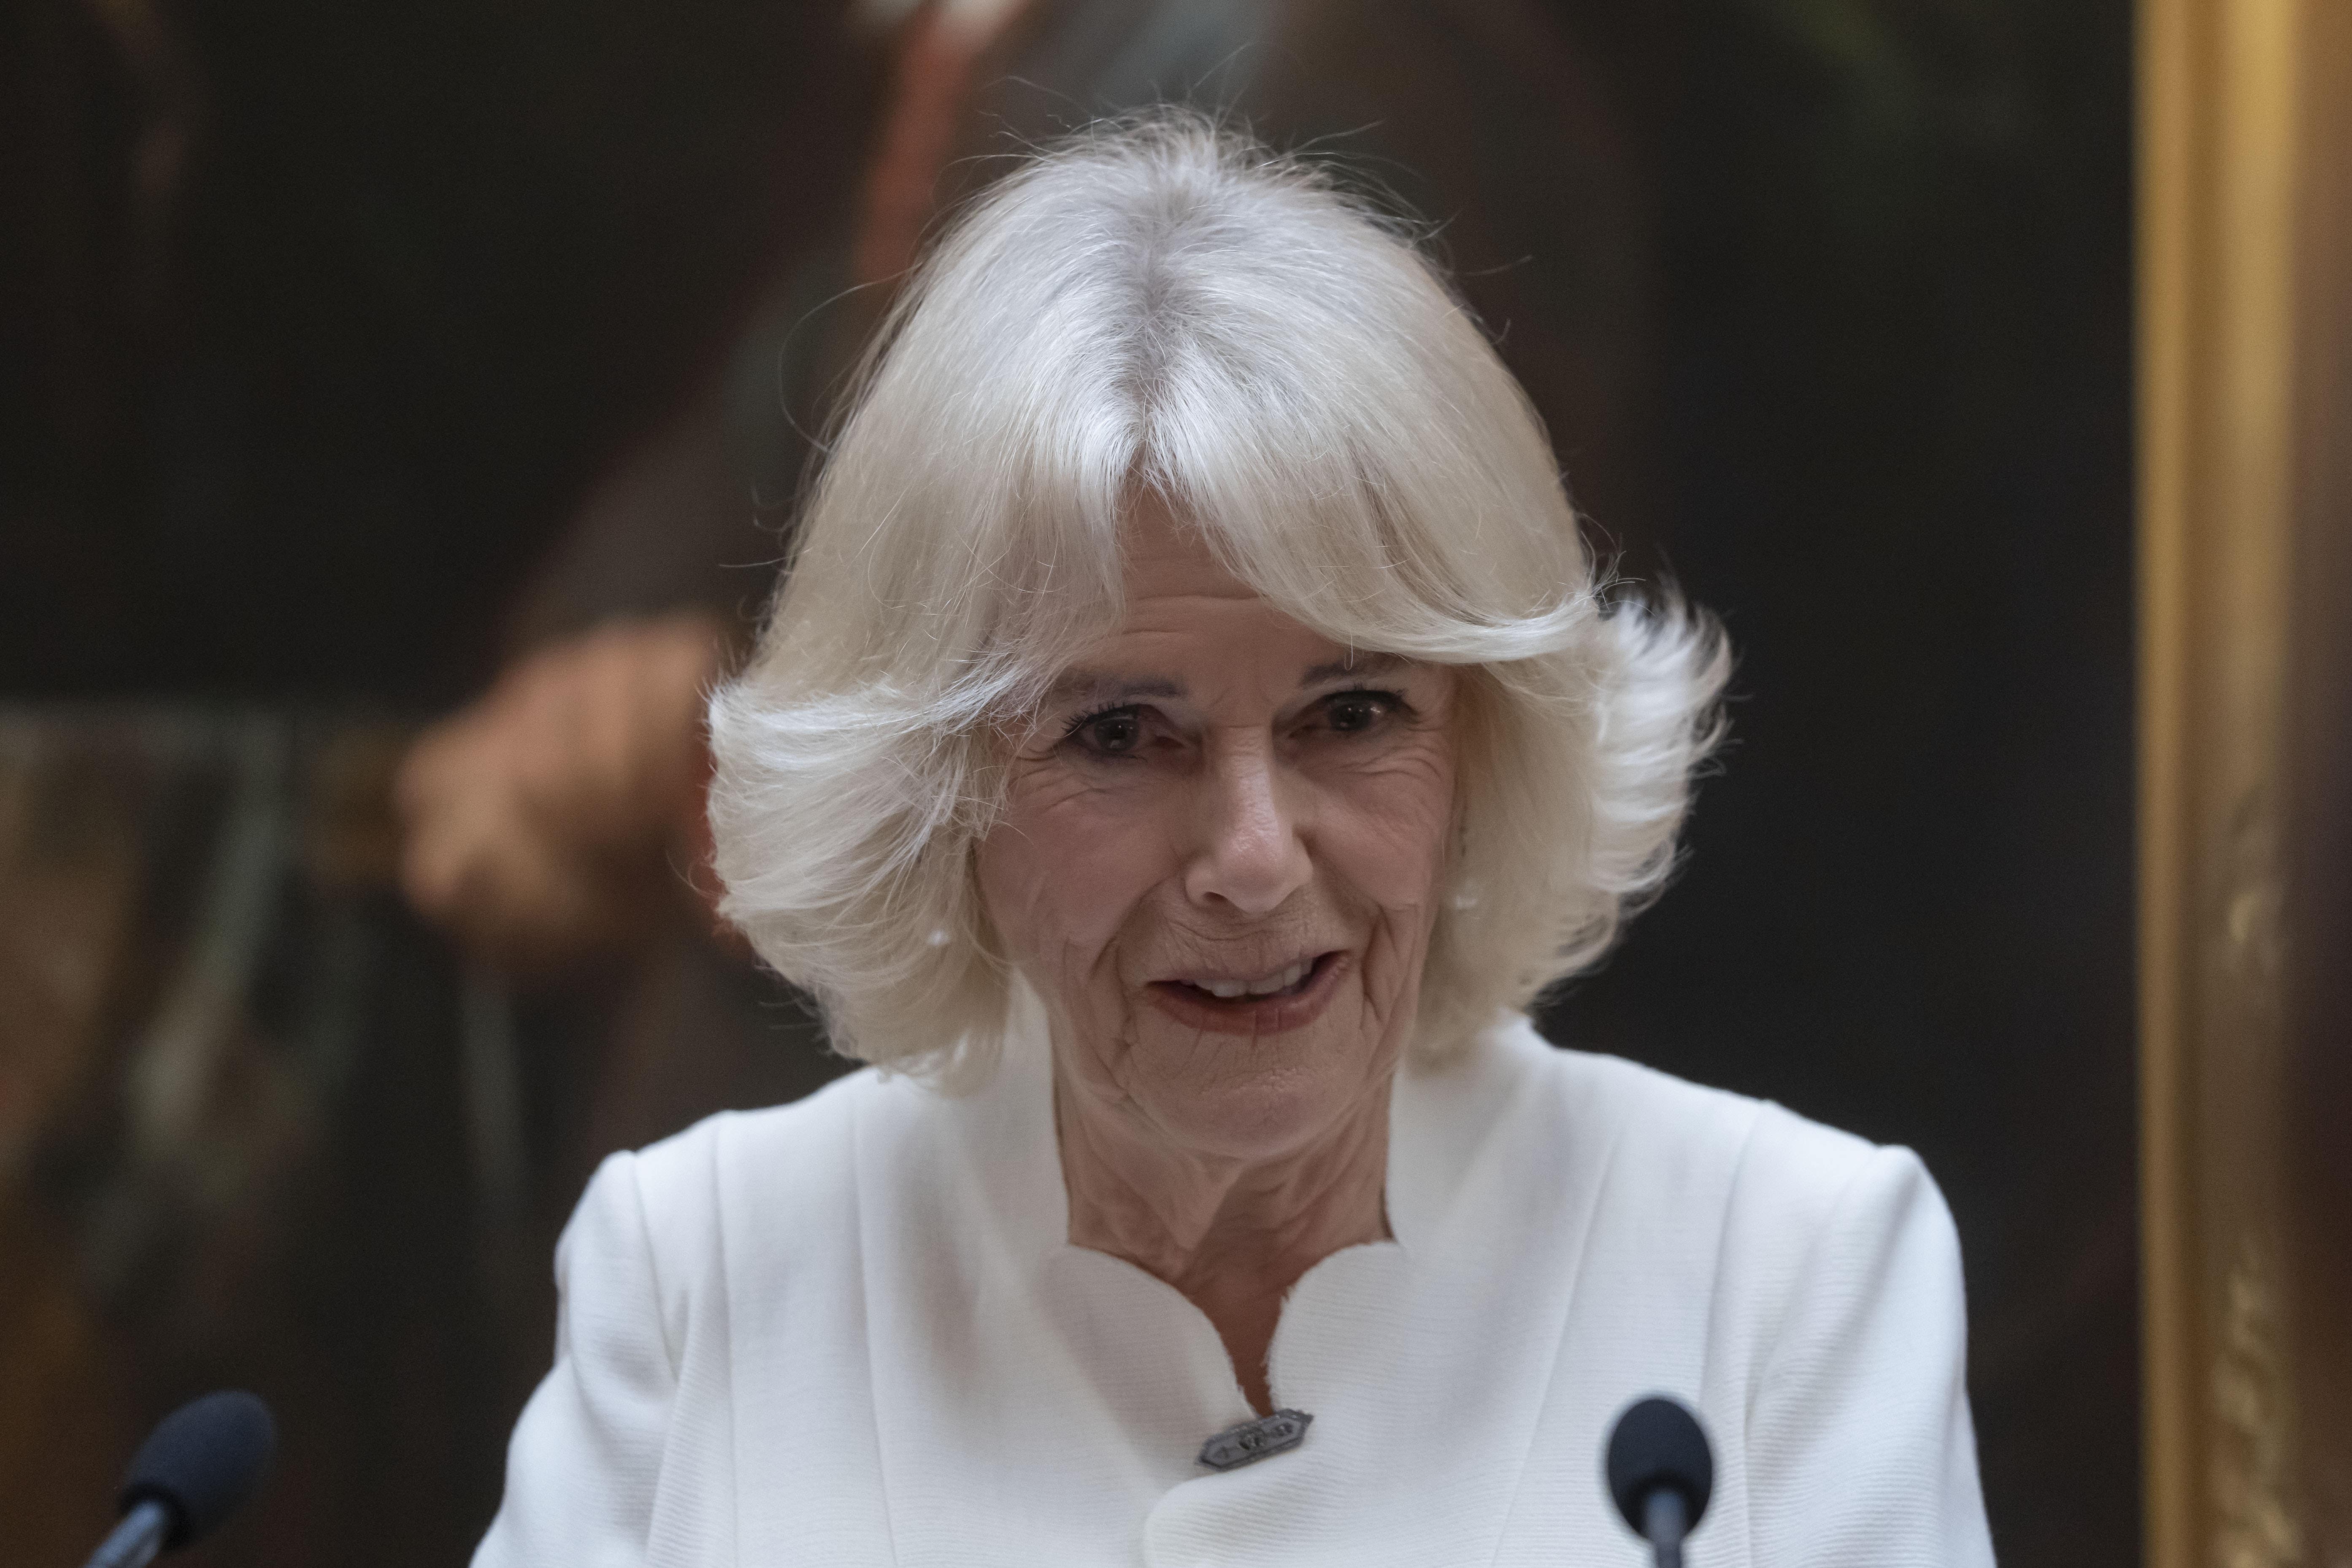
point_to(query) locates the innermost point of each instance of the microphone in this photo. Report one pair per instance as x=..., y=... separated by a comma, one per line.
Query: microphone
x=1661, y=1473
x=196, y=1468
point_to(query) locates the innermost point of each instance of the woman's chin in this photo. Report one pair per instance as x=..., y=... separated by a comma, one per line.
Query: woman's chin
x=1253, y=1100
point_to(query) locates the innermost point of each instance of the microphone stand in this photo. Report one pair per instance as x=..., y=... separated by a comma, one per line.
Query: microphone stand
x=1664, y=1525
x=135, y=1541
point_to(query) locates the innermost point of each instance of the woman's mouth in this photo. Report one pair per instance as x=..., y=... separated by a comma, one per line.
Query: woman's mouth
x=1286, y=999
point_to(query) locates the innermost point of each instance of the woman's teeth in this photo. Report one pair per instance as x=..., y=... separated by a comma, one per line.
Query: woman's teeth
x=1226, y=990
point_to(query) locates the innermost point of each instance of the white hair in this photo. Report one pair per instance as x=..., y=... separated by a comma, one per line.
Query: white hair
x=1159, y=306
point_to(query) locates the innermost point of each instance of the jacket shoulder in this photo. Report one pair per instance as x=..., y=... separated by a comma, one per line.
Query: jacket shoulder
x=782, y=1161
x=1767, y=1151
x=1803, y=1232
x=1751, y=1189
x=672, y=1170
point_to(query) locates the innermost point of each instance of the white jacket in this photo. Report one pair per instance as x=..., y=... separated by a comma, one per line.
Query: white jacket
x=852, y=1331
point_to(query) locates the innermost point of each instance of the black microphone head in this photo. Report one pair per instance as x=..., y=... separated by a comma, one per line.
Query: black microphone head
x=202, y=1461
x=1658, y=1443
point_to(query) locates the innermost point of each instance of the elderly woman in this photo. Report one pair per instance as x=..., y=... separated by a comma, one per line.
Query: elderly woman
x=1189, y=737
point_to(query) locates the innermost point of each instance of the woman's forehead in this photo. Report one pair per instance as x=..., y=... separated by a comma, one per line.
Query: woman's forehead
x=1188, y=622
x=1093, y=682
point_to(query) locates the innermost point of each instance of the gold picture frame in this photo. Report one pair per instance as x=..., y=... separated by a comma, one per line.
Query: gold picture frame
x=2245, y=777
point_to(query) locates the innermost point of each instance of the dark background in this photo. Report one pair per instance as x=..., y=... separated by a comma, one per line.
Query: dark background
x=321, y=328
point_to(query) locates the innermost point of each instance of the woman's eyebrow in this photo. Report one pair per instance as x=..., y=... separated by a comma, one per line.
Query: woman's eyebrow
x=1090, y=686
x=1356, y=667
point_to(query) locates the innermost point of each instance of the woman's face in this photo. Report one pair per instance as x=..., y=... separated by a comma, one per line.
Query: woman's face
x=1220, y=859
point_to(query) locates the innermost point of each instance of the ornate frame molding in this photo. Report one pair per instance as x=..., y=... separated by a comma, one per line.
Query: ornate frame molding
x=2245, y=766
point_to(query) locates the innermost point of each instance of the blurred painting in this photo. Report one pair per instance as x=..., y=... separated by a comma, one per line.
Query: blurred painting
x=407, y=411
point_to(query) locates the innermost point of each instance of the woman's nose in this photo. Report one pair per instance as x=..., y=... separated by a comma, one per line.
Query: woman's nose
x=1249, y=855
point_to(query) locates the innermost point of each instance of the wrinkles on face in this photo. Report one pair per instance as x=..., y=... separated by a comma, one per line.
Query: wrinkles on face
x=1218, y=863
x=1215, y=792
x=1244, y=862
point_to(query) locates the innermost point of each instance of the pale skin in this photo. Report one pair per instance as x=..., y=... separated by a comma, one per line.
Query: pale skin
x=1216, y=796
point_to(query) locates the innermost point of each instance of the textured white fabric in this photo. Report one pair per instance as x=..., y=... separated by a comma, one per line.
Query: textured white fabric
x=851, y=1330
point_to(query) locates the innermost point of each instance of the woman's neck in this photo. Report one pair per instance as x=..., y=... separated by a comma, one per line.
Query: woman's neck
x=1232, y=1235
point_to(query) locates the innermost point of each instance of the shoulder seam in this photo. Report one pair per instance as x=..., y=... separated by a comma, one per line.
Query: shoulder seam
x=653, y=1265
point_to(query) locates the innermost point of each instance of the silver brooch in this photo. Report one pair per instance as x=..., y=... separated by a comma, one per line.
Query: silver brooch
x=1254, y=1440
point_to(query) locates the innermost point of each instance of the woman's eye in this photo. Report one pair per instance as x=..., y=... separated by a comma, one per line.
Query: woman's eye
x=1353, y=712
x=1111, y=734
